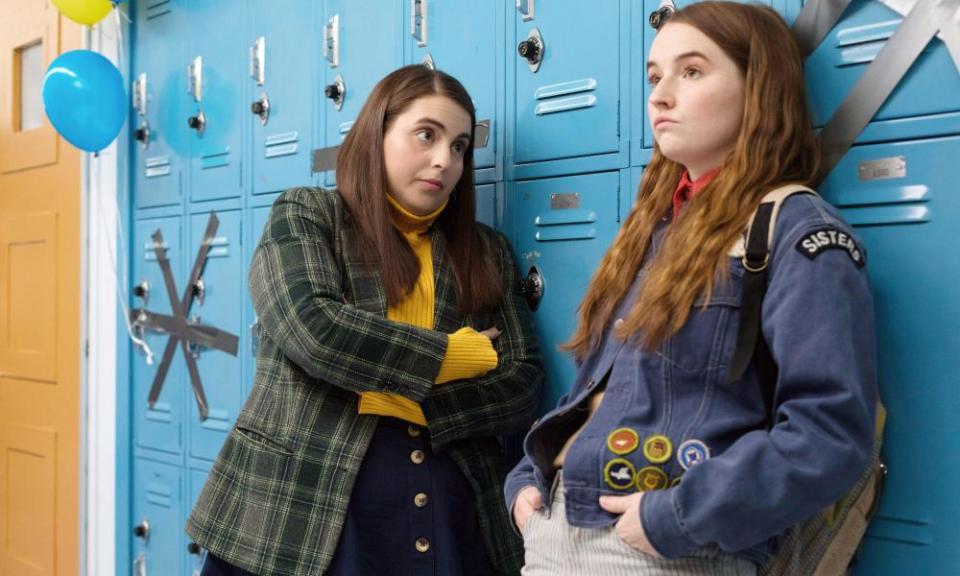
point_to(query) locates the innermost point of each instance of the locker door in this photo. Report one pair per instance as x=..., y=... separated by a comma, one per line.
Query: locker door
x=157, y=428
x=222, y=299
x=561, y=228
x=217, y=95
x=157, y=521
x=577, y=84
x=901, y=197
x=643, y=33
x=158, y=120
x=364, y=45
x=460, y=39
x=282, y=79
x=932, y=86
x=487, y=204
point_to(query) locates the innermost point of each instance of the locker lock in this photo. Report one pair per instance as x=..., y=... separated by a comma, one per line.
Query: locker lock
x=198, y=122
x=194, y=548
x=142, y=290
x=532, y=49
x=336, y=91
x=261, y=108
x=531, y=288
x=142, y=530
x=142, y=135
x=199, y=290
x=660, y=16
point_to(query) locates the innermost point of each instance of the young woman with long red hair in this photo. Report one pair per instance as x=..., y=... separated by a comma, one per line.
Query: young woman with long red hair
x=394, y=350
x=656, y=462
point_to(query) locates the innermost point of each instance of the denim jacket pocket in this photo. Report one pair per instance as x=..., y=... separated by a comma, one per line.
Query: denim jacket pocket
x=708, y=337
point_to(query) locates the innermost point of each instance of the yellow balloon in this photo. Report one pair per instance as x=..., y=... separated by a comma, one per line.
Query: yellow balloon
x=84, y=11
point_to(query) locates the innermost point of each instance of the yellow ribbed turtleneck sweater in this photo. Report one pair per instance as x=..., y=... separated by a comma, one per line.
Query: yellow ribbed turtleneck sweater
x=469, y=353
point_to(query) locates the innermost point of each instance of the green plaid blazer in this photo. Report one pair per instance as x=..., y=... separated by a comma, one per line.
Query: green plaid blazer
x=276, y=498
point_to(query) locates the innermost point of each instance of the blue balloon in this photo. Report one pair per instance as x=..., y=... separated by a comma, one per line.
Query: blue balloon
x=85, y=99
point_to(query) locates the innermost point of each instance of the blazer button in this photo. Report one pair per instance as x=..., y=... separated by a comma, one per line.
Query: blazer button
x=417, y=456
x=413, y=431
x=420, y=500
x=422, y=545
x=618, y=323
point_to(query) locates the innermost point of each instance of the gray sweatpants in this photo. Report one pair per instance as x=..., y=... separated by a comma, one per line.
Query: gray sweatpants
x=555, y=548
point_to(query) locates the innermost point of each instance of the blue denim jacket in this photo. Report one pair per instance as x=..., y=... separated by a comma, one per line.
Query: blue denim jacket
x=727, y=474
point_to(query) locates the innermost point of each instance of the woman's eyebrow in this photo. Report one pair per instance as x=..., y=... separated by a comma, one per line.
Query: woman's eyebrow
x=438, y=124
x=684, y=56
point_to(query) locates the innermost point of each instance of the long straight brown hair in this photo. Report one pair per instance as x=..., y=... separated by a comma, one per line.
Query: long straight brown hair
x=775, y=146
x=362, y=181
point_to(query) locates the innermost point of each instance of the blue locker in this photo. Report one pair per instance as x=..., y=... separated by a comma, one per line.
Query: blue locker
x=577, y=83
x=282, y=54
x=362, y=43
x=195, y=555
x=931, y=87
x=157, y=518
x=215, y=82
x=641, y=39
x=560, y=228
x=158, y=428
x=460, y=38
x=156, y=121
x=901, y=198
x=221, y=374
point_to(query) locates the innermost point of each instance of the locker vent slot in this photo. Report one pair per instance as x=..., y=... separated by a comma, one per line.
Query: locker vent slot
x=905, y=530
x=881, y=215
x=157, y=166
x=159, y=495
x=215, y=159
x=160, y=412
x=150, y=251
x=553, y=103
x=218, y=420
x=157, y=8
x=282, y=144
x=881, y=195
x=566, y=225
x=219, y=247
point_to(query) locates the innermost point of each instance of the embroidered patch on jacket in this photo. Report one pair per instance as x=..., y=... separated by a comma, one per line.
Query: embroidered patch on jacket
x=657, y=449
x=619, y=474
x=651, y=478
x=691, y=453
x=815, y=243
x=623, y=441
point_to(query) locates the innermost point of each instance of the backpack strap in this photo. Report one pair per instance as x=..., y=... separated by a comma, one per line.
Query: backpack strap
x=755, y=257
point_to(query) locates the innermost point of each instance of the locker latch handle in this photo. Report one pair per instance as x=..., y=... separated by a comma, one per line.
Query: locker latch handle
x=526, y=9
x=418, y=21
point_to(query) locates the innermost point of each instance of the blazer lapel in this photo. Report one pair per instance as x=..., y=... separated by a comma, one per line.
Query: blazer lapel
x=446, y=314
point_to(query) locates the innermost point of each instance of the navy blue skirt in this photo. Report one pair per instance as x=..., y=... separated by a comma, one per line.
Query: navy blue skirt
x=412, y=512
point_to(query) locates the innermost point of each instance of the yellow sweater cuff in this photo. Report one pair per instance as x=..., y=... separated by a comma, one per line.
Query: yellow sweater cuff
x=469, y=354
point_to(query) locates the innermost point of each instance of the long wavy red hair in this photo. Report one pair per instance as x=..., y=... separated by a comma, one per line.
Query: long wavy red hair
x=775, y=146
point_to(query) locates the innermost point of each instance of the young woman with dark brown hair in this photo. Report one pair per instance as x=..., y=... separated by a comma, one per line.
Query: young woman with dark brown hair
x=394, y=350
x=656, y=462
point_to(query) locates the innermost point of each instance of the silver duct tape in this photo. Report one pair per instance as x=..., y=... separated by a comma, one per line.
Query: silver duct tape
x=949, y=32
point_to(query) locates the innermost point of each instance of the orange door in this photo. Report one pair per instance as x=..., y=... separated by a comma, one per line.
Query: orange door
x=40, y=248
